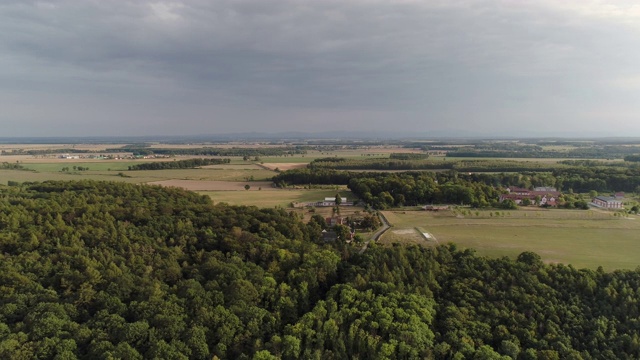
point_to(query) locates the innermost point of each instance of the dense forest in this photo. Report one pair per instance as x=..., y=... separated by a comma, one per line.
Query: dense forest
x=96, y=270
x=178, y=164
x=580, y=176
x=418, y=188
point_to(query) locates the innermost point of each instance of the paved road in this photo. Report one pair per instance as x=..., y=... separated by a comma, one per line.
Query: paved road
x=377, y=234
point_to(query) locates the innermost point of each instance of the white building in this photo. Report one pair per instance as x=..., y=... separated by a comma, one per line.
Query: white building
x=607, y=202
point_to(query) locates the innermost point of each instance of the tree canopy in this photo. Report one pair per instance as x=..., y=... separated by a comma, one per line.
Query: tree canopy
x=99, y=270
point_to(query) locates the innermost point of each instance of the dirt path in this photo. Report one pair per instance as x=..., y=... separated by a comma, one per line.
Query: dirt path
x=377, y=234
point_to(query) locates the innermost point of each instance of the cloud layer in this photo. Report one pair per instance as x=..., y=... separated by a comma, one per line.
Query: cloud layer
x=204, y=67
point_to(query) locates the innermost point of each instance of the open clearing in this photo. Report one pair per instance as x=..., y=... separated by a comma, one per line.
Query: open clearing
x=585, y=239
x=283, y=166
x=276, y=197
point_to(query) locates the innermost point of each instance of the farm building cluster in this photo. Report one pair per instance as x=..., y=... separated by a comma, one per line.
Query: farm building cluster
x=330, y=201
x=542, y=196
x=548, y=196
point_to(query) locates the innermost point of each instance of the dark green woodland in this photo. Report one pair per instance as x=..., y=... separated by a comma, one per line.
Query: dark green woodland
x=97, y=270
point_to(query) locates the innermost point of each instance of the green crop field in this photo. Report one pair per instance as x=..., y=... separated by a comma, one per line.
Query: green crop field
x=342, y=153
x=111, y=171
x=584, y=239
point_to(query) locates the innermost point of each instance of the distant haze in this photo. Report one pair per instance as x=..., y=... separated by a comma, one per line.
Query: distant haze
x=446, y=67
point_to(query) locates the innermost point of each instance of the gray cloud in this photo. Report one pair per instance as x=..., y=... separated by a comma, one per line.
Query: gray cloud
x=197, y=66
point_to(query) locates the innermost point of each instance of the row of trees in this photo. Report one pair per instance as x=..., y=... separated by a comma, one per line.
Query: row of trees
x=75, y=168
x=426, y=164
x=212, y=151
x=11, y=166
x=44, y=151
x=534, y=151
x=566, y=178
x=408, y=156
x=178, y=164
x=95, y=270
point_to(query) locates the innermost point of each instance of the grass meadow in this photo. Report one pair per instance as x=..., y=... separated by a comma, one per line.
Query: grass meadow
x=584, y=239
x=272, y=198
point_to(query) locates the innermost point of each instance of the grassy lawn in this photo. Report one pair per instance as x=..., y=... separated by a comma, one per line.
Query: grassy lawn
x=585, y=239
x=272, y=198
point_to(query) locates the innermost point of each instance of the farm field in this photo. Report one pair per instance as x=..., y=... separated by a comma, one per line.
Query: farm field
x=24, y=175
x=534, y=160
x=204, y=174
x=584, y=239
x=369, y=153
x=111, y=171
x=90, y=147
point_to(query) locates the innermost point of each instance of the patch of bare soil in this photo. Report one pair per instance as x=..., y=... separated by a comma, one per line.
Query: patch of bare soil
x=203, y=185
x=404, y=231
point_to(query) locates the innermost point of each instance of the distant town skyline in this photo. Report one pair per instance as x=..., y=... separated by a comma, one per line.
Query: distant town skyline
x=440, y=68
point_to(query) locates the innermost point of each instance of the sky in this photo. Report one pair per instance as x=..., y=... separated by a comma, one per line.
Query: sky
x=430, y=68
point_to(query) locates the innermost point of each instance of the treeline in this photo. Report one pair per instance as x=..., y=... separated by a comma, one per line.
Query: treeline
x=564, y=178
x=45, y=151
x=571, y=178
x=11, y=166
x=632, y=158
x=178, y=164
x=377, y=164
x=306, y=176
x=408, y=156
x=145, y=150
x=210, y=151
x=426, y=164
x=94, y=270
x=383, y=190
x=592, y=152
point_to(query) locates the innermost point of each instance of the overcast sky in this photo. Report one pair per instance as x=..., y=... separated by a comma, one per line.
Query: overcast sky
x=539, y=67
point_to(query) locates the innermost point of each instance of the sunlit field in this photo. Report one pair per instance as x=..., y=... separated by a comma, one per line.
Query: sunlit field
x=279, y=197
x=585, y=239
